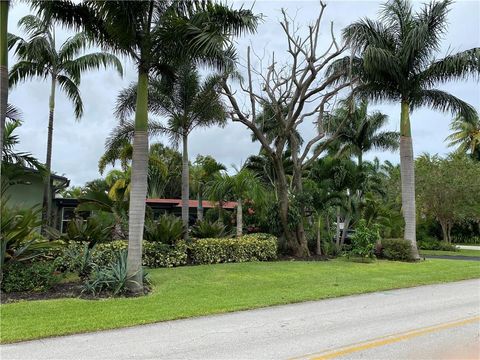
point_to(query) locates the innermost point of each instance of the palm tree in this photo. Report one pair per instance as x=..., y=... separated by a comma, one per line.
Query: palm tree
x=361, y=132
x=466, y=135
x=153, y=33
x=201, y=173
x=4, y=5
x=188, y=104
x=38, y=57
x=397, y=64
x=239, y=187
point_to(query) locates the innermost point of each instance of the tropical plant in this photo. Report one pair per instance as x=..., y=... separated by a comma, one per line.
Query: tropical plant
x=397, y=63
x=90, y=231
x=364, y=240
x=188, y=104
x=204, y=229
x=39, y=57
x=11, y=140
x=19, y=238
x=466, y=135
x=154, y=34
x=201, y=173
x=4, y=5
x=167, y=229
x=361, y=132
x=112, y=278
x=239, y=187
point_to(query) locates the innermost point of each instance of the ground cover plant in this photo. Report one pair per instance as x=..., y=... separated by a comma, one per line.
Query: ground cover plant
x=201, y=290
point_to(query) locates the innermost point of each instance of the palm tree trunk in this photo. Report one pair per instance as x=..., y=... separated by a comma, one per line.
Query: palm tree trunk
x=200, y=204
x=239, y=218
x=407, y=171
x=185, y=186
x=138, y=192
x=47, y=186
x=3, y=69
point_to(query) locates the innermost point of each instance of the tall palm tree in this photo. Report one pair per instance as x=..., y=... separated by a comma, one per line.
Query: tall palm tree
x=187, y=103
x=397, y=63
x=466, y=135
x=153, y=33
x=202, y=172
x=4, y=5
x=39, y=57
x=239, y=187
x=362, y=131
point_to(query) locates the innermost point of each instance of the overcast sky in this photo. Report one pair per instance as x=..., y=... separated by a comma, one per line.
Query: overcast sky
x=77, y=146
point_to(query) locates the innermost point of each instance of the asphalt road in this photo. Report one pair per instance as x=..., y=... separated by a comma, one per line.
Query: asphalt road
x=428, y=322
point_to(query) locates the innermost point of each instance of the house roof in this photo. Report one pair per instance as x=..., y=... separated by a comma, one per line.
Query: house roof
x=192, y=203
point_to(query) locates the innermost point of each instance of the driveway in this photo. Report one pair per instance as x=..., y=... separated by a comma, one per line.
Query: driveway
x=428, y=322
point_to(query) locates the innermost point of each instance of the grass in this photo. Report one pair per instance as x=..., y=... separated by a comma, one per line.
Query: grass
x=201, y=290
x=459, y=252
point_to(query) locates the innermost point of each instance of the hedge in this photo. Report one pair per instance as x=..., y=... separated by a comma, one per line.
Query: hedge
x=397, y=249
x=253, y=247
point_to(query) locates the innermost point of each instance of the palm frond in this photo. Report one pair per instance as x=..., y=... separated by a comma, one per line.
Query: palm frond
x=441, y=101
x=73, y=93
x=24, y=70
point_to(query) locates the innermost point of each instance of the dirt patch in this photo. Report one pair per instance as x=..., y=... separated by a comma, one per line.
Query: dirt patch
x=59, y=291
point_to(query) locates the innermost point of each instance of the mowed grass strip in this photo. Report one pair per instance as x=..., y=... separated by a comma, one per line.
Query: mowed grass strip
x=202, y=290
x=459, y=252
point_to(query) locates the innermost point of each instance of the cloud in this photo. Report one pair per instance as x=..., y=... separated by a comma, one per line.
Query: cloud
x=77, y=146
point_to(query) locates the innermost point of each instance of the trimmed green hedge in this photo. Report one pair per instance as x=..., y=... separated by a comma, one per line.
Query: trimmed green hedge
x=155, y=254
x=253, y=247
x=397, y=249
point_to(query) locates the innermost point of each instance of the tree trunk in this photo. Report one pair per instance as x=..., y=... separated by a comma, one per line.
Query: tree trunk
x=239, y=218
x=443, y=225
x=346, y=224
x=337, y=230
x=200, y=204
x=3, y=69
x=407, y=172
x=138, y=192
x=185, y=185
x=319, y=239
x=47, y=186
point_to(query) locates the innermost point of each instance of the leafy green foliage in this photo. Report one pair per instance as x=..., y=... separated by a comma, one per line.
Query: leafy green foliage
x=208, y=229
x=364, y=240
x=90, y=231
x=20, y=240
x=434, y=244
x=78, y=258
x=35, y=276
x=168, y=229
x=111, y=278
x=396, y=249
x=253, y=247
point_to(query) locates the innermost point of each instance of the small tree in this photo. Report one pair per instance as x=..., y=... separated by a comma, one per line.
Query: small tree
x=448, y=190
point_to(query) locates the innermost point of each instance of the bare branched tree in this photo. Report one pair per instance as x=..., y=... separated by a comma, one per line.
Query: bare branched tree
x=302, y=89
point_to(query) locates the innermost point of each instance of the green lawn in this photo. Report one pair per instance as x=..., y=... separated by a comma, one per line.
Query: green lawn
x=459, y=252
x=201, y=290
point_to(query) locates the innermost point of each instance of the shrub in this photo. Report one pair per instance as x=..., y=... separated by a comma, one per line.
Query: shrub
x=364, y=240
x=206, y=229
x=76, y=256
x=253, y=247
x=19, y=238
x=167, y=229
x=433, y=244
x=465, y=239
x=35, y=276
x=396, y=249
x=111, y=278
x=90, y=231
